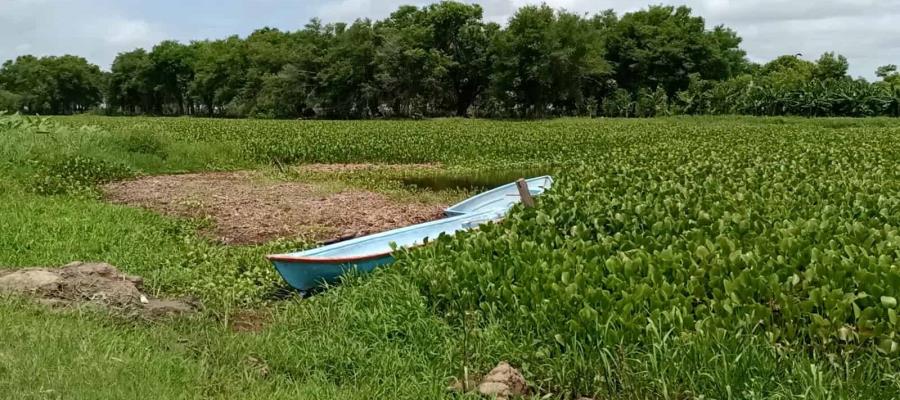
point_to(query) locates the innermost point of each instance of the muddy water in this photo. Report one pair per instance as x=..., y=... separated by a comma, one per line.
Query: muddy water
x=473, y=181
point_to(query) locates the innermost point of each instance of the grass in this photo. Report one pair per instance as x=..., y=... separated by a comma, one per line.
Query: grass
x=373, y=341
x=374, y=337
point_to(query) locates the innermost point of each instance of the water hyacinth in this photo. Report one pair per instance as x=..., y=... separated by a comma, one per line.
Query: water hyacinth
x=789, y=235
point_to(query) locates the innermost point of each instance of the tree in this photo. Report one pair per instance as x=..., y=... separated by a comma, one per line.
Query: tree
x=219, y=68
x=346, y=83
x=664, y=45
x=412, y=73
x=171, y=72
x=444, y=59
x=52, y=85
x=728, y=59
x=461, y=36
x=130, y=88
x=888, y=74
x=9, y=101
x=544, y=61
x=786, y=72
x=30, y=79
x=78, y=84
x=831, y=66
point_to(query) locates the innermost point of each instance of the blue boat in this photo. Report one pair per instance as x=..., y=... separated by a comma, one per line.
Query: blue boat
x=308, y=269
x=503, y=197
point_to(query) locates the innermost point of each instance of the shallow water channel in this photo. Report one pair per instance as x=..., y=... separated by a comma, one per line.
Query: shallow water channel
x=476, y=181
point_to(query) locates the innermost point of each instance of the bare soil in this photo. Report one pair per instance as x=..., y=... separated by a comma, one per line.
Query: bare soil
x=95, y=284
x=247, y=208
x=250, y=321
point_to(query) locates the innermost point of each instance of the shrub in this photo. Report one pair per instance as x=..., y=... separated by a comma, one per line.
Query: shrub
x=143, y=143
x=76, y=174
x=618, y=104
x=758, y=237
x=9, y=101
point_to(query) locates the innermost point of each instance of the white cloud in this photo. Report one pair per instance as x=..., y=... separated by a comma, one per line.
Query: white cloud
x=127, y=32
x=95, y=29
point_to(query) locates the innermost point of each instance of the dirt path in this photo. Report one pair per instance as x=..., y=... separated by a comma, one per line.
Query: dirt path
x=247, y=208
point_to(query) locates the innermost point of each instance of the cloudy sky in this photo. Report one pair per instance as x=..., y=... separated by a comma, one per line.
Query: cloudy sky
x=866, y=31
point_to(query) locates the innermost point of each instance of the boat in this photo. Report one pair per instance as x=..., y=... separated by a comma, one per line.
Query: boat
x=503, y=197
x=308, y=269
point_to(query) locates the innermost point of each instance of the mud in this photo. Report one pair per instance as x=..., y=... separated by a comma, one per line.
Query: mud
x=89, y=284
x=247, y=208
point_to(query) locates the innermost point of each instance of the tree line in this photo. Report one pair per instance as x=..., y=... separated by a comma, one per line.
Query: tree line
x=444, y=59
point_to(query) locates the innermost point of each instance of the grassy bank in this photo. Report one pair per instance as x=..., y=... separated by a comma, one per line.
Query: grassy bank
x=621, y=234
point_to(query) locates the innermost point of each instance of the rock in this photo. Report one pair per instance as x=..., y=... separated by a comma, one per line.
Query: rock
x=495, y=389
x=29, y=280
x=161, y=308
x=53, y=303
x=503, y=382
x=102, y=270
x=89, y=284
x=459, y=386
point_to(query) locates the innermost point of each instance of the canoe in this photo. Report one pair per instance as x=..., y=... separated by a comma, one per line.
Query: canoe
x=311, y=268
x=503, y=197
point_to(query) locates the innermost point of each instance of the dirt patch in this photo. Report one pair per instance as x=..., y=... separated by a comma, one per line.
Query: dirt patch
x=247, y=208
x=250, y=321
x=96, y=284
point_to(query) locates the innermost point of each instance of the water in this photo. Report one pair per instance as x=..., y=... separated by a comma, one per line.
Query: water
x=476, y=181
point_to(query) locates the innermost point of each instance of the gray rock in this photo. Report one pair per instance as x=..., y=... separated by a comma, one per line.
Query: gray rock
x=29, y=280
x=503, y=382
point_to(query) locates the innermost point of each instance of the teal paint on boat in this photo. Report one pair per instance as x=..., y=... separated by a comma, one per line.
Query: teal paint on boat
x=311, y=268
x=503, y=197
x=306, y=275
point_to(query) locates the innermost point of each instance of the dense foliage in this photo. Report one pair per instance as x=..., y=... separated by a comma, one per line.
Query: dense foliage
x=444, y=59
x=790, y=233
x=50, y=85
x=440, y=59
x=680, y=257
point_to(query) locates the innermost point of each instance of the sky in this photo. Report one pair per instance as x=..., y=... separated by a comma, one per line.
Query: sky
x=865, y=31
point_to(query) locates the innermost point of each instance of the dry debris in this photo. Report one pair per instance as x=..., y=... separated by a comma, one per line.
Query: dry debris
x=95, y=284
x=247, y=208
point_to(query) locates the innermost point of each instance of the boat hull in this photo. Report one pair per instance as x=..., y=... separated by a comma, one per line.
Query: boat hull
x=306, y=275
x=307, y=269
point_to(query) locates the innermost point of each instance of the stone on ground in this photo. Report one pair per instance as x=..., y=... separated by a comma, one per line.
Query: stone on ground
x=80, y=283
x=503, y=382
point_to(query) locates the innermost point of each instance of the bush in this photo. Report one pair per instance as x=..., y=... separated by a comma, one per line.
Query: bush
x=9, y=101
x=618, y=104
x=760, y=237
x=142, y=143
x=76, y=174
